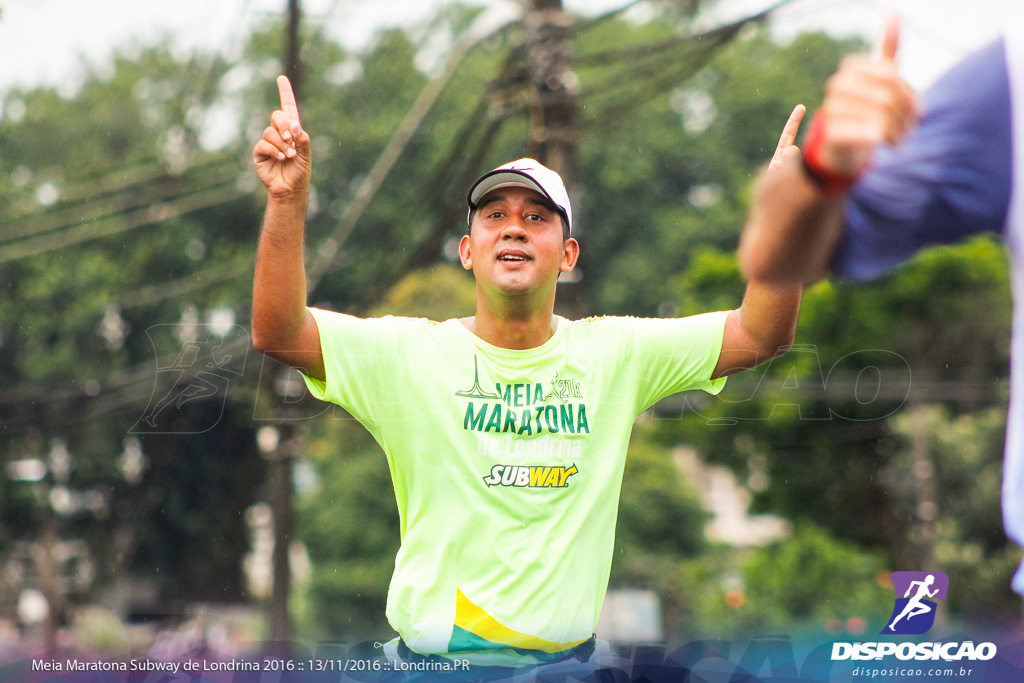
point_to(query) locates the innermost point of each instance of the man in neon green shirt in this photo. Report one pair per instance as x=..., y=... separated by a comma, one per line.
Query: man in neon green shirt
x=505, y=432
x=506, y=465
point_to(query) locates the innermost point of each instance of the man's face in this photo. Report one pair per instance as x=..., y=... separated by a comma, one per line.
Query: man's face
x=515, y=242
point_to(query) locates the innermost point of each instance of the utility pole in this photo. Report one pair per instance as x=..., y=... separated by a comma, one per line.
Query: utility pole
x=49, y=578
x=278, y=444
x=925, y=496
x=290, y=60
x=280, y=451
x=554, y=138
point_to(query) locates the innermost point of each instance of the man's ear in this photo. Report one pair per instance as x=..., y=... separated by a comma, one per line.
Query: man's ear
x=465, y=256
x=570, y=254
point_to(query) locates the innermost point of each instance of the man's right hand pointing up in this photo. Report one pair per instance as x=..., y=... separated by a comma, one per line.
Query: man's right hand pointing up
x=282, y=157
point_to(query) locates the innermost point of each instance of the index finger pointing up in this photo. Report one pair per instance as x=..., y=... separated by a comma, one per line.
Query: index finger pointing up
x=789, y=132
x=288, y=104
x=891, y=39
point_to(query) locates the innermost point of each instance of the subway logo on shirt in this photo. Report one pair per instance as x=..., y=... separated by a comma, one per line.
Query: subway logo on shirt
x=532, y=476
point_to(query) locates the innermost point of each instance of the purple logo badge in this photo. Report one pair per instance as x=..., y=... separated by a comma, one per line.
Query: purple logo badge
x=916, y=593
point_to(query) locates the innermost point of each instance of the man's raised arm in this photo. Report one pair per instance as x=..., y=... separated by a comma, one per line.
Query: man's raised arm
x=282, y=328
x=764, y=324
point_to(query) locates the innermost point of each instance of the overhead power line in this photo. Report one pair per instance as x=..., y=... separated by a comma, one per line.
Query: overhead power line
x=652, y=61
x=122, y=178
x=69, y=214
x=154, y=213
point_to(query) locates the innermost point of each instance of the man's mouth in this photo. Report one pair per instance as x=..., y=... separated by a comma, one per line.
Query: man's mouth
x=513, y=257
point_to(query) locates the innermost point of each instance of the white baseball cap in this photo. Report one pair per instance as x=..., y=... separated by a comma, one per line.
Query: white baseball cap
x=528, y=173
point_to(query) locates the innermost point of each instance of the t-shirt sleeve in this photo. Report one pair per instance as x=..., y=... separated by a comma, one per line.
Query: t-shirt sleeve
x=669, y=355
x=357, y=360
x=950, y=177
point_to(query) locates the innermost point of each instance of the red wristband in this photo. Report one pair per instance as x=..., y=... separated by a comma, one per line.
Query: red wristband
x=829, y=182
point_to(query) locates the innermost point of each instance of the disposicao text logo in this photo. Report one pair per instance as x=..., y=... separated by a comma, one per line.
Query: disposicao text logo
x=914, y=612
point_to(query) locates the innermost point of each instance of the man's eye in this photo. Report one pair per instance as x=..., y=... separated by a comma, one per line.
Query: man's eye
x=535, y=217
x=494, y=214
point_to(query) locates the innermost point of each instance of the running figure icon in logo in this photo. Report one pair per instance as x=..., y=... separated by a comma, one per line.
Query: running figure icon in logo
x=922, y=585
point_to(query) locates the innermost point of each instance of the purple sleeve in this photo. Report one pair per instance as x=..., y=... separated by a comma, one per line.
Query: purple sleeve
x=949, y=178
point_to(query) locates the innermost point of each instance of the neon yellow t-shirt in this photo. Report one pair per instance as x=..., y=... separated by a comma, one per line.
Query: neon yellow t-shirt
x=507, y=465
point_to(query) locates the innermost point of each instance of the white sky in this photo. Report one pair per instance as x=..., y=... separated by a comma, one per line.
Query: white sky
x=46, y=41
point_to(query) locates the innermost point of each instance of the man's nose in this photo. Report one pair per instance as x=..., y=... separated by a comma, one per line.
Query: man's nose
x=513, y=228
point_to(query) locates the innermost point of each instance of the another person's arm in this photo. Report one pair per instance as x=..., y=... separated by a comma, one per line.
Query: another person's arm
x=796, y=222
x=282, y=327
x=949, y=178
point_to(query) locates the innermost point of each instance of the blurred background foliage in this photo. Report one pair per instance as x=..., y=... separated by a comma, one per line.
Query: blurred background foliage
x=127, y=233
